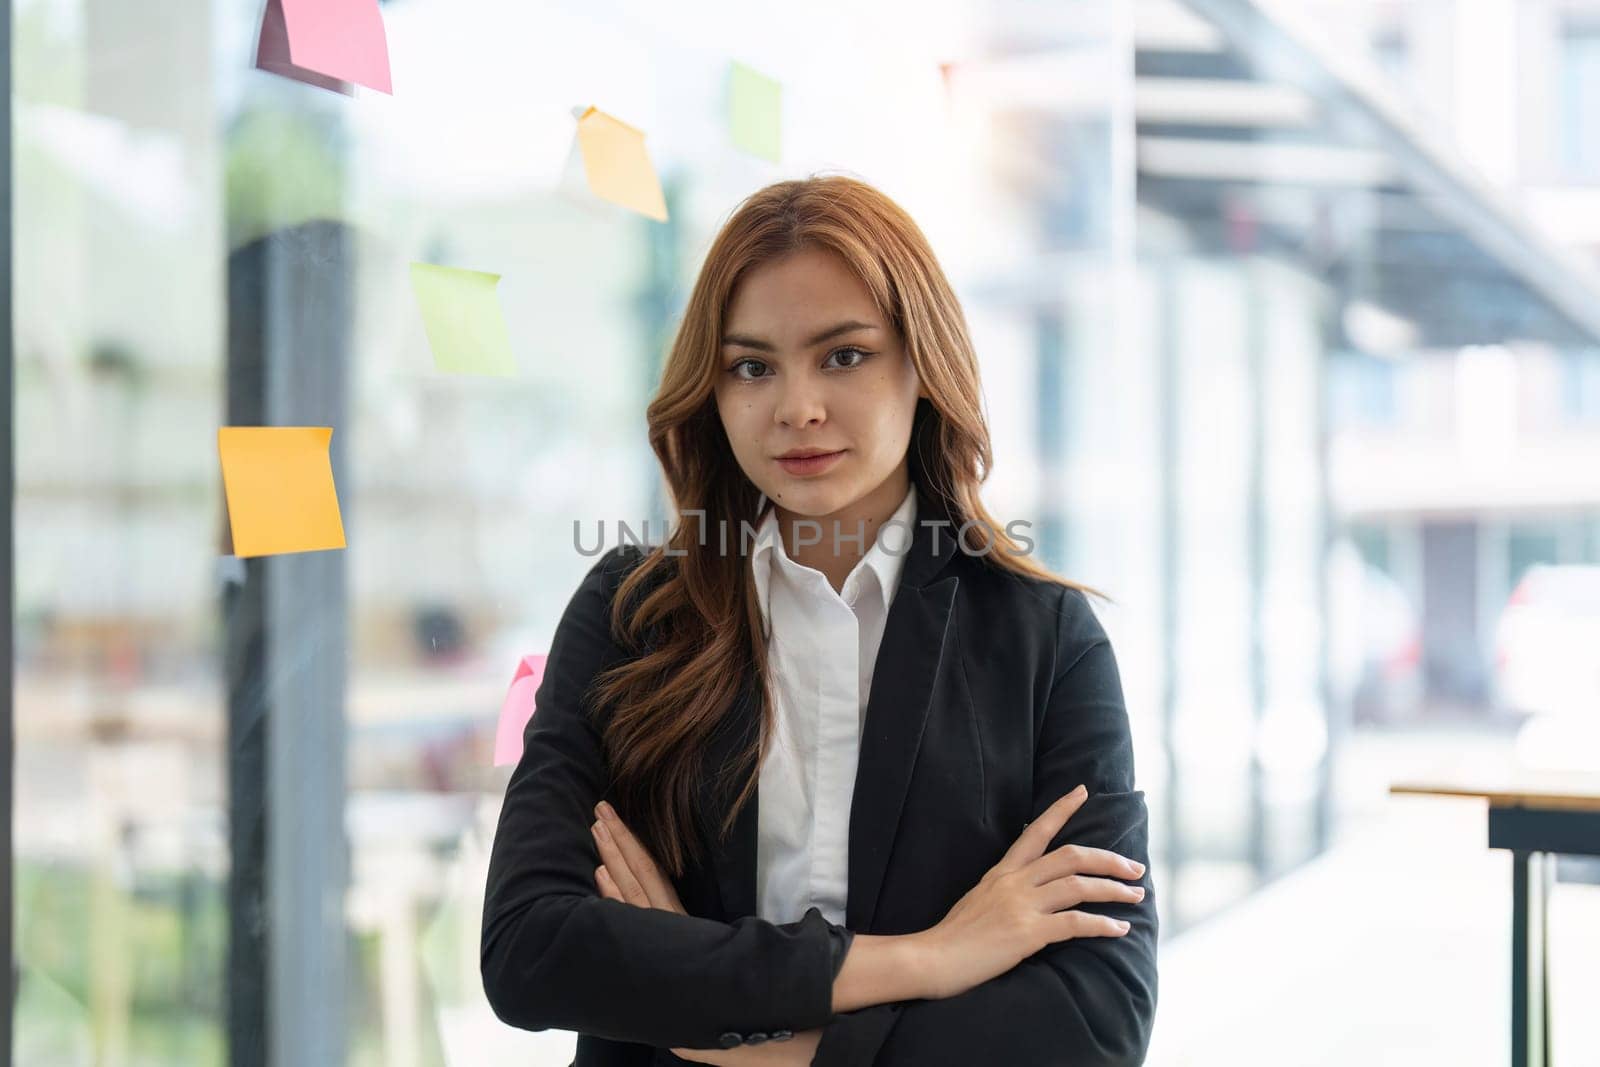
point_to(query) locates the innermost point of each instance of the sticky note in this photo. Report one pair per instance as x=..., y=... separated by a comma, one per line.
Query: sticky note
x=326, y=43
x=517, y=710
x=461, y=313
x=279, y=484
x=617, y=165
x=754, y=111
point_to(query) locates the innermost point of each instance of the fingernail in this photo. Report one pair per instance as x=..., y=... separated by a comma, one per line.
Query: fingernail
x=605, y=809
x=1080, y=789
x=1138, y=870
x=1139, y=891
x=1122, y=925
x=601, y=831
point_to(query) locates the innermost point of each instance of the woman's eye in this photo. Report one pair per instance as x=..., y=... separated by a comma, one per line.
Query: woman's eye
x=848, y=349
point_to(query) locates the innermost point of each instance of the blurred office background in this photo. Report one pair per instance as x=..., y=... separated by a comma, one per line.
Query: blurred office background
x=1289, y=321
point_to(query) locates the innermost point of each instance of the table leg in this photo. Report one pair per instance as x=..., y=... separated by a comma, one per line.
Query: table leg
x=1530, y=1004
x=1546, y=870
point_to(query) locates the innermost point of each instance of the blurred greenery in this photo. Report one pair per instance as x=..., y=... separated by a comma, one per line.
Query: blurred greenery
x=283, y=168
x=167, y=934
x=170, y=933
x=49, y=65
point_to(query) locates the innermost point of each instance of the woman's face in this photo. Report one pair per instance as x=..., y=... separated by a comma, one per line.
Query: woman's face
x=807, y=362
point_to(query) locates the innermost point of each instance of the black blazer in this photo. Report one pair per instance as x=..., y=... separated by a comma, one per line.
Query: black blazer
x=993, y=696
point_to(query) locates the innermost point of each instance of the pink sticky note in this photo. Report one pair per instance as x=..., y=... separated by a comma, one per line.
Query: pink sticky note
x=517, y=710
x=326, y=43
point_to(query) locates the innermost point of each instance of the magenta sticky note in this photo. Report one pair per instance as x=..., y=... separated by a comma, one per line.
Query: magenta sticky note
x=326, y=43
x=517, y=710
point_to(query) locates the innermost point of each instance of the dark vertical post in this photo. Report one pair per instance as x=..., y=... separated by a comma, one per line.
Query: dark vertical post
x=289, y=314
x=7, y=485
x=1530, y=1008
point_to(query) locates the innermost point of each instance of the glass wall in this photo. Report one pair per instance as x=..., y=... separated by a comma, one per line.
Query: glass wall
x=255, y=796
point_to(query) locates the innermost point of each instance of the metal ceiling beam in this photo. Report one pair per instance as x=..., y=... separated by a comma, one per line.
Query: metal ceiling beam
x=1281, y=47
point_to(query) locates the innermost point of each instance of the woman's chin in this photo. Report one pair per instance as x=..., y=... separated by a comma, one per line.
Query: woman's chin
x=816, y=502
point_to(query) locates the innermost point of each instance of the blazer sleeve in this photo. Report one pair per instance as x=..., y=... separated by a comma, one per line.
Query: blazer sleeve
x=556, y=954
x=1085, y=1002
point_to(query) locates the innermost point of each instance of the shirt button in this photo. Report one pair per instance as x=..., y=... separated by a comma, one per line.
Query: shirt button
x=755, y=1039
x=730, y=1040
x=782, y=1035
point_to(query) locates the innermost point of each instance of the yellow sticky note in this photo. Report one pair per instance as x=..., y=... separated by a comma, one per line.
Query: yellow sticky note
x=618, y=167
x=461, y=312
x=755, y=110
x=279, y=485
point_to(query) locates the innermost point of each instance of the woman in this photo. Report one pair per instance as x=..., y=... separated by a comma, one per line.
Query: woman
x=841, y=823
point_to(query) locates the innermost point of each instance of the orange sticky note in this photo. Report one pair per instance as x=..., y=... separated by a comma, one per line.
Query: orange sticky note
x=517, y=710
x=279, y=485
x=617, y=165
x=326, y=43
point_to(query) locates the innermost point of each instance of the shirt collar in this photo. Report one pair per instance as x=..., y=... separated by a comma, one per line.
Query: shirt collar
x=767, y=552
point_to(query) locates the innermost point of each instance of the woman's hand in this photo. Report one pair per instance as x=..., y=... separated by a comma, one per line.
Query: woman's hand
x=798, y=1051
x=1017, y=907
x=627, y=871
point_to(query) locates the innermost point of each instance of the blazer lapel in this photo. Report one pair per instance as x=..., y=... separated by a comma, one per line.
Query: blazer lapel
x=902, y=684
x=733, y=861
x=909, y=660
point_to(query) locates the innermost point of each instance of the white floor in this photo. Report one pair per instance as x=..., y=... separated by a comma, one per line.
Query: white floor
x=1392, y=948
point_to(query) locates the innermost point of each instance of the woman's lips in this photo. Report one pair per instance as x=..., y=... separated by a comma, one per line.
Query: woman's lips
x=811, y=464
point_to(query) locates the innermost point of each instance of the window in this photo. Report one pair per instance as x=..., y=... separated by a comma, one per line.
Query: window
x=1392, y=54
x=1580, y=385
x=1363, y=390
x=1578, y=86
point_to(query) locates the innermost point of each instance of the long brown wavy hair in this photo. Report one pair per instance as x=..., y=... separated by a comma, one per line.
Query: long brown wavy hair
x=700, y=607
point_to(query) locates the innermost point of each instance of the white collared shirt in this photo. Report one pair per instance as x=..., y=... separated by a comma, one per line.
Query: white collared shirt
x=822, y=649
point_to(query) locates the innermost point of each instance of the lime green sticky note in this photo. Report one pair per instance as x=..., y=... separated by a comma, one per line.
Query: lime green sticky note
x=754, y=111
x=461, y=312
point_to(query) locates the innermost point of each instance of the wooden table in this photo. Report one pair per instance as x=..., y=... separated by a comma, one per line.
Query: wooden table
x=1536, y=816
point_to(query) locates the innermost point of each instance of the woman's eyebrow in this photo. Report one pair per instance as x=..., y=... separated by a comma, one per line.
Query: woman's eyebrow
x=745, y=341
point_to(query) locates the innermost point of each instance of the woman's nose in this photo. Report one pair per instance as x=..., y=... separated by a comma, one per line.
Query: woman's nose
x=800, y=403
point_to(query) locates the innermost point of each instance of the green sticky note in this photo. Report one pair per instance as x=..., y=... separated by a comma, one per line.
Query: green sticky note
x=754, y=111
x=461, y=312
